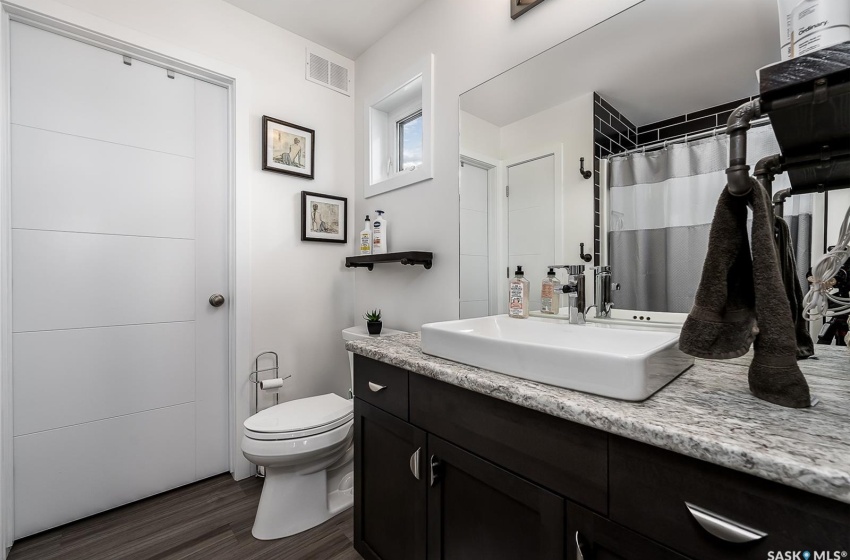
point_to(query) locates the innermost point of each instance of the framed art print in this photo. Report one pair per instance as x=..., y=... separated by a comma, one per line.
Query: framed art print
x=324, y=218
x=288, y=148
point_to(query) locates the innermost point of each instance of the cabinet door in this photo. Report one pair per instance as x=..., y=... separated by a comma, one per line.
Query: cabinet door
x=478, y=510
x=591, y=537
x=389, y=486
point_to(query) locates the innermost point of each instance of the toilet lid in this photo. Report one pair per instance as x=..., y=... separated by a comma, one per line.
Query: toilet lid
x=300, y=414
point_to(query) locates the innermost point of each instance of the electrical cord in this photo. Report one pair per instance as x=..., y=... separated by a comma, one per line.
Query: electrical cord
x=823, y=279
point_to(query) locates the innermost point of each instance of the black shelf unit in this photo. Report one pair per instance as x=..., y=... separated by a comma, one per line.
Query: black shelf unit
x=425, y=258
x=808, y=102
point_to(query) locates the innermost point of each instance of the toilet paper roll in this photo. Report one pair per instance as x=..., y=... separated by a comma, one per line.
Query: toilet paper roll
x=271, y=384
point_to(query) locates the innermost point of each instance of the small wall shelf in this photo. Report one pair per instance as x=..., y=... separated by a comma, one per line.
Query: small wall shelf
x=425, y=258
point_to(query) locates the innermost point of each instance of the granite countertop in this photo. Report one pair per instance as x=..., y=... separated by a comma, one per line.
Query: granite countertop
x=707, y=413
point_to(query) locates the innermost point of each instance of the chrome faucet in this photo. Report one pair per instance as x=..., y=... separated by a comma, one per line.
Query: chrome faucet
x=602, y=291
x=575, y=290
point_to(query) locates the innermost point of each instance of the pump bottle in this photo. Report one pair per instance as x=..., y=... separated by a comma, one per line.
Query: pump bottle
x=518, y=296
x=379, y=234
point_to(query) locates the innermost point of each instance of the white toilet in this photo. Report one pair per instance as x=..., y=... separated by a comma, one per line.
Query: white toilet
x=306, y=448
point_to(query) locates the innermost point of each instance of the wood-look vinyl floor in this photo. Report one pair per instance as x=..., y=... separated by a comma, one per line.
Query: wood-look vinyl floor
x=209, y=520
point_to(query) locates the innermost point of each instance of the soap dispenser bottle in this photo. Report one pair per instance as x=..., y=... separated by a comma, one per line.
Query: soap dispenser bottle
x=550, y=293
x=366, y=238
x=518, y=296
x=379, y=234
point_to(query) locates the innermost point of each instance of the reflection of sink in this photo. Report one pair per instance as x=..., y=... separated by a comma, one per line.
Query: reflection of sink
x=628, y=364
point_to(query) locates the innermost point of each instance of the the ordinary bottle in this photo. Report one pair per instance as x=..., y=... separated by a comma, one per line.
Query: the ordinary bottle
x=366, y=238
x=550, y=294
x=518, y=295
x=817, y=24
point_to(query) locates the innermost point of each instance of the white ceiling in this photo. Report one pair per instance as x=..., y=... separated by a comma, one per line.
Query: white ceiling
x=659, y=59
x=347, y=27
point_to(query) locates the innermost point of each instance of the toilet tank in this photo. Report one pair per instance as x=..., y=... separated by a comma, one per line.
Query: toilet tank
x=358, y=333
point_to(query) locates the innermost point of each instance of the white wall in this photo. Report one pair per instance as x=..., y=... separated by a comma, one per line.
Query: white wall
x=301, y=293
x=479, y=139
x=472, y=41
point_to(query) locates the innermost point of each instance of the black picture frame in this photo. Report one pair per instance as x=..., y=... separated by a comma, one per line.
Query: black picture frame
x=519, y=7
x=295, y=144
x=310, y=231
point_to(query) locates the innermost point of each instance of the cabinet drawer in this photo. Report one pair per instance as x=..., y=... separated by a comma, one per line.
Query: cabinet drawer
x=591, y=537
x=562, y=456
x=381, y=384
x=651, y=490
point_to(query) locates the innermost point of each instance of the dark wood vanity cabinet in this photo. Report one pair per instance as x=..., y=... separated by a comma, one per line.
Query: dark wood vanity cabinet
x=443, y=472
x=474, y=508
x=389, y=505
x=479, y=510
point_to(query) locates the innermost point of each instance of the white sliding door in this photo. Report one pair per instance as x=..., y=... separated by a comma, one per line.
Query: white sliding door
x=119, y=217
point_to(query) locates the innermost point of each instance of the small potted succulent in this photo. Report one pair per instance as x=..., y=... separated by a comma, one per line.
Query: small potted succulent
x=373, y=321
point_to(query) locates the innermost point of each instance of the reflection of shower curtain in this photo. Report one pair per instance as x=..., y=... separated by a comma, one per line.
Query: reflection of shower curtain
x=661, y=206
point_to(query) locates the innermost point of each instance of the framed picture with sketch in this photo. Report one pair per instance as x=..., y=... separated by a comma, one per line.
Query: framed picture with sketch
x=324, y=218
x=288, y=148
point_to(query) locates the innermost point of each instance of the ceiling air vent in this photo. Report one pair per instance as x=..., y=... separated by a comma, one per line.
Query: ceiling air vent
x=335, y=75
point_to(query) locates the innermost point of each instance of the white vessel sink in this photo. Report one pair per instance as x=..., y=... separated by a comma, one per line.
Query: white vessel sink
x=609, y=360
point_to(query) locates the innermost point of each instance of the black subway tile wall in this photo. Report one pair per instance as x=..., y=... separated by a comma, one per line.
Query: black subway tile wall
x=691, y=123
x=613, y=133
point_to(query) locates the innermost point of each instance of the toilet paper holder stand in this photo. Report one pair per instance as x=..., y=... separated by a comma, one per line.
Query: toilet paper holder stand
x=254, y=377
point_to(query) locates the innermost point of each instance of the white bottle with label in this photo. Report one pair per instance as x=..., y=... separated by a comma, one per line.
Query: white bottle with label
x=817, y=24
x=380, y=240
x=366, y=238
x=518, y=296
x=550, y=294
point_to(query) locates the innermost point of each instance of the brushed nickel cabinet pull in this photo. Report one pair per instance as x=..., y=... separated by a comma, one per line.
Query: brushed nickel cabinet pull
x=579, y=549
x=375, y=387
x=414, y=463
x=435, y=466
x=724, y=528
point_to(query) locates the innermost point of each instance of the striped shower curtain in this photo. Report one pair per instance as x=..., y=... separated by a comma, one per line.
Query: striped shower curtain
x=661, y=204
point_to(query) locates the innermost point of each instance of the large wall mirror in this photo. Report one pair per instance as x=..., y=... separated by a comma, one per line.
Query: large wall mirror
x=643, y=97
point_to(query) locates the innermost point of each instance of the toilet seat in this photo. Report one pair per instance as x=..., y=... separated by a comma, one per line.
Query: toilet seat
x=300, y=418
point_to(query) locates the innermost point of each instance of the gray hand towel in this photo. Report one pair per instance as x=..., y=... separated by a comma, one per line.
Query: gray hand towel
x=742, y=301
x=722, y=323
x=774, y=373
x=793, y=290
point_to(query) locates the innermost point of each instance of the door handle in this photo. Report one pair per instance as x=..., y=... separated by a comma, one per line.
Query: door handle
x=580, y=548
x=216, y=300
x=414, y=463
x=724, y=528
x=375, y=387
x=435, y=467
